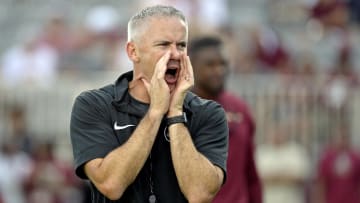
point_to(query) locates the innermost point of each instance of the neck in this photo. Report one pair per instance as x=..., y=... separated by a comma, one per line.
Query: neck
x=138, y=91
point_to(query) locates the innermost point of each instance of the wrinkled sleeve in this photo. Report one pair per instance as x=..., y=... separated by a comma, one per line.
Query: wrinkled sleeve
x=90, y=130
x=212, y=135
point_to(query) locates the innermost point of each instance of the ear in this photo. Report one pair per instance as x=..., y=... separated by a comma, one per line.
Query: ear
x=131, y=51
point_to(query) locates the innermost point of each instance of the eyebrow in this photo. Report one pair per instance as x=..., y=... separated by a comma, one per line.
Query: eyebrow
x=181, y=43
x=169, y=42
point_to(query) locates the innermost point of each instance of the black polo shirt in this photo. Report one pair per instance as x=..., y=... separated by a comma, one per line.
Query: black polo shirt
x=104, y=119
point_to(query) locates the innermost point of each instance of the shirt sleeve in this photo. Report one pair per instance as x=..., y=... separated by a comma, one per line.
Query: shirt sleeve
x=90, y=130
x=211, y=136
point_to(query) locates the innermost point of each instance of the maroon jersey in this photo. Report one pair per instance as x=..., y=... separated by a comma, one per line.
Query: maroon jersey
x=242, y=183
x=339, y=171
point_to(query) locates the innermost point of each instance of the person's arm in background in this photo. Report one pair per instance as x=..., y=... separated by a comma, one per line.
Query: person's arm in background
x=358, y=171
x=318, y=193
x=254, y=182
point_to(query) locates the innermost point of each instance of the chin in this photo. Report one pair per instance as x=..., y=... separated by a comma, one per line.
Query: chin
x=216, y=90
x=172, y=88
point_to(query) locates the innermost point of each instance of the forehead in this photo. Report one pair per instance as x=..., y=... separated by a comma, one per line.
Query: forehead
x=168, y=27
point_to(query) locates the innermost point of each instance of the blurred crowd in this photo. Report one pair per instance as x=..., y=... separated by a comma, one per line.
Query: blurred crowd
x=97, y=43
x=29, y=171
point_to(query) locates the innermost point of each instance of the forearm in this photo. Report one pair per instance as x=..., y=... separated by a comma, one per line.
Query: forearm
x=254, y=182
x=198, y=178
x=318, y=193
x=114, y=173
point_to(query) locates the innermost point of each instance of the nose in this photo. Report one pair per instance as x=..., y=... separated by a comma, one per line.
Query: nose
x=220, y=69
x=175, y=52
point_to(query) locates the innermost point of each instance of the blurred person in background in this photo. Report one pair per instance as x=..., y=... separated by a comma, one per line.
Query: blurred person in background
x=338, y=170
x=15, y=168
x=19, y=129
x=330, y=13
x=268, y=53
x=212, y=13
x=99, y=43
x=51, y=180
x=56, y=33
x=283, y=166
x=30, y=63
x=210, y=71
x=102, y=25
x=337, y=90
x=147, y=138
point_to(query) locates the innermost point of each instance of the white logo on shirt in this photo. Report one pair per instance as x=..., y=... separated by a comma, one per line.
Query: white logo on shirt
x=117, y=127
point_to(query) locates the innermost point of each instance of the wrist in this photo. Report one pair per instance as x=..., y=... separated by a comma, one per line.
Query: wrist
x=174, y=112
x=155, y=115
x=176, y=119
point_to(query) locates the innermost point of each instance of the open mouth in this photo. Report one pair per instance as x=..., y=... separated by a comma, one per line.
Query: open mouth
x=171, y=72
x=171, y=75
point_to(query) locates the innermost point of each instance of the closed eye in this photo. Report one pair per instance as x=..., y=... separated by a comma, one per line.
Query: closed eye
x=182, y=45
x=163, y=44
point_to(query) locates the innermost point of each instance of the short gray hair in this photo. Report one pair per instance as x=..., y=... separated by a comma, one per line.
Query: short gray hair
x=139, y=18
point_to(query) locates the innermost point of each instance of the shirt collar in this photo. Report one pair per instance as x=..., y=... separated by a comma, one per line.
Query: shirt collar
x=121, y=86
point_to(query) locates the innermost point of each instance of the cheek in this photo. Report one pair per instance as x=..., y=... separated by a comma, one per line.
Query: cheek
x=150, y=60
x=206, y=73
x=202, y=78
x=152, y=57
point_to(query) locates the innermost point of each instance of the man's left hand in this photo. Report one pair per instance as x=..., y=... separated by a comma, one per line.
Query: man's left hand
x=184, y=83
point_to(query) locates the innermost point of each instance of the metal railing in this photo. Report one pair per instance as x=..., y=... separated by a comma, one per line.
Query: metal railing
x=271, y=100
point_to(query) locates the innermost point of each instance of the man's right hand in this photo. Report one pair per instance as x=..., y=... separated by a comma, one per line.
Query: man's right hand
x=157, y=88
